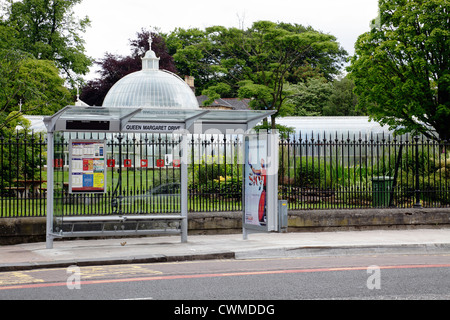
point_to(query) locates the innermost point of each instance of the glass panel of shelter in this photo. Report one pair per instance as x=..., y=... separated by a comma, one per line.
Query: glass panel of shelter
x=143, y=176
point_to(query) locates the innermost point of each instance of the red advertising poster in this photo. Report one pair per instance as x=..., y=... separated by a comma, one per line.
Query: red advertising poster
x=58, y=163
x=176, y=163
x=144, y=163
x=127, y=163
x=160, y=163
x=111, y=163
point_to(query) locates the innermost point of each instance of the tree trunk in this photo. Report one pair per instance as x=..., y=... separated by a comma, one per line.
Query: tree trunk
x=272, y=119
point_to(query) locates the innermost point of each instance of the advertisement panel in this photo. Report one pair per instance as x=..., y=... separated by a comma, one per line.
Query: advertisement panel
x=255, y=183
x=87, y=166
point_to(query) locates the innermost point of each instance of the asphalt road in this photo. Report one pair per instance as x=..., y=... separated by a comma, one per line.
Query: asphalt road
x=351, y=277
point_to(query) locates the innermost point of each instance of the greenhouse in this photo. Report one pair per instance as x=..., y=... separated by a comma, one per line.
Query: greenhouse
x=334, y=127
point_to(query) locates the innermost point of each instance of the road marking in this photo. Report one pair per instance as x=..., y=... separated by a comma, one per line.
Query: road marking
x=11, y=278
x=15, y=277
x=215, y=275
x=115, y=270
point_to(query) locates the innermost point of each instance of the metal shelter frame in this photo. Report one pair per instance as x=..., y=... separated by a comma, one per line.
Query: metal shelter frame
x=140, y=120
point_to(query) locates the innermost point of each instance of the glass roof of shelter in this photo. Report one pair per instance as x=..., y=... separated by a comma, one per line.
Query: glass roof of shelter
x=94, y=113
x=126, y=119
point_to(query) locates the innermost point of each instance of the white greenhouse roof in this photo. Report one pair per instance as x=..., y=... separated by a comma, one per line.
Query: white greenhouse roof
x=306, y=126
x=37, y=124
x=318, y=126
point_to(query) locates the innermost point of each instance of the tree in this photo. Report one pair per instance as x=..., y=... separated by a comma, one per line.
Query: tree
x=21, y=150
x=401, y=67
x=342, y=100
x=309, y=98
x=31, y=85
x=140, y=46
x=115, y=67
x=259, y=62
x=8, y=36
x=48, y=30
x=189, y=58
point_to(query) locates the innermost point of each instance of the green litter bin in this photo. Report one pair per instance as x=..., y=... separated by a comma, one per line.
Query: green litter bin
x=381, y=191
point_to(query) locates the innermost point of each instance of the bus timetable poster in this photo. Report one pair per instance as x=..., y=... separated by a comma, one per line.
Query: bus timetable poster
x=87, y=166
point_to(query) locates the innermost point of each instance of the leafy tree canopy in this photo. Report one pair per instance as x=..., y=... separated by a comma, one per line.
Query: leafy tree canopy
x=342, y=100
x=309, y=97
x=401, y=67
x=48, y=30
x=259, y=62
x=31, y=85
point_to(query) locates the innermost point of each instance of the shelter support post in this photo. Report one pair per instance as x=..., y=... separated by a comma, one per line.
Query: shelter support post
x=272, y=181
x=244, y=233
x=184, y=188
x=50, y=155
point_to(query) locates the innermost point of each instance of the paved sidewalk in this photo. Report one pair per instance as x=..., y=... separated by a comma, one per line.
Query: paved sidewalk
x=198, y=247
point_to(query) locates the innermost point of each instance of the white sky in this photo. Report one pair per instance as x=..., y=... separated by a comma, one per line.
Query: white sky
x=114, y=22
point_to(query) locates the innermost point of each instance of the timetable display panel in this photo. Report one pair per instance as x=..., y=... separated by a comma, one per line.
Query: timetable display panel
x=87, y=166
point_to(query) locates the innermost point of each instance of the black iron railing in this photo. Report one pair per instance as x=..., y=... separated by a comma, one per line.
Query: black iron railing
x=364, y=171
x=330, y=171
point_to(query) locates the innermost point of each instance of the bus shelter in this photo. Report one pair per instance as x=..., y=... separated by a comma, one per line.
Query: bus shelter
x=88, y=157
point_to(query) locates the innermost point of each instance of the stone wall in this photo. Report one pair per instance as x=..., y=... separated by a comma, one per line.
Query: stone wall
x=22, y=230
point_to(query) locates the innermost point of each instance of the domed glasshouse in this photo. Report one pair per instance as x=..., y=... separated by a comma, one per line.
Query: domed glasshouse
x=151, y=88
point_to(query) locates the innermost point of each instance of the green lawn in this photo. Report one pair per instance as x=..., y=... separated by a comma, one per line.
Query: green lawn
x=91, y=205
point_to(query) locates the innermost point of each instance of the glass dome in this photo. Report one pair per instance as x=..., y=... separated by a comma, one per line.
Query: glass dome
x=156, y=89
x=151, y=88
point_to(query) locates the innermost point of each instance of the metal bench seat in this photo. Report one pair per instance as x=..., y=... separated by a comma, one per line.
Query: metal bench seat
x=118, y=218
x=138, y=220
